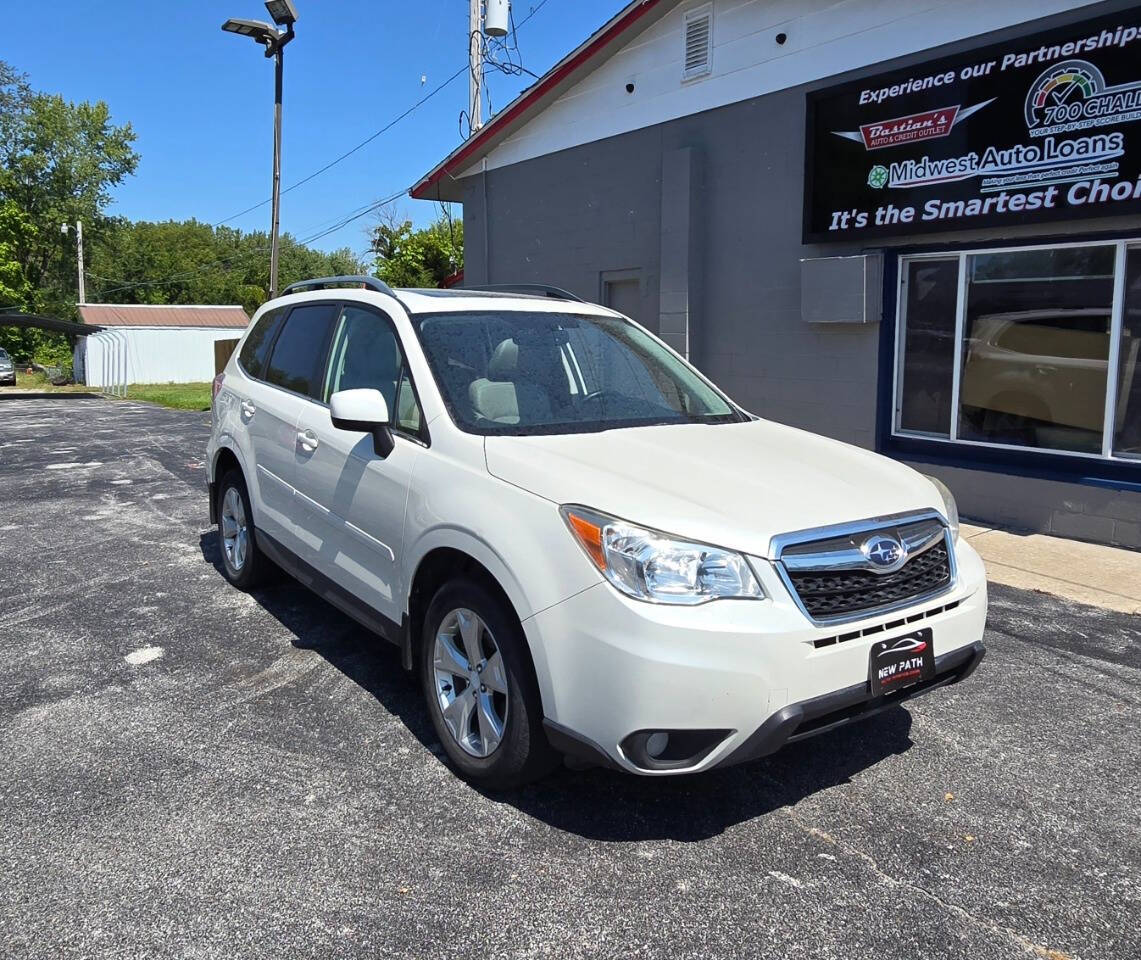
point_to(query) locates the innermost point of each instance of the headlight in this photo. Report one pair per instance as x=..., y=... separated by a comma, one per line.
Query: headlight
x=649, y=565
x=949, y=505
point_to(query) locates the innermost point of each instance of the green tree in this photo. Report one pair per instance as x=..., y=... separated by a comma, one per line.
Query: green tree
x=58, y=163
x=417, y=258
x=17, y=234
x=192, y=262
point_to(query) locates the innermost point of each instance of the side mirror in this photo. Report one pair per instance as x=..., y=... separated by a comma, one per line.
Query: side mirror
x=363, y=411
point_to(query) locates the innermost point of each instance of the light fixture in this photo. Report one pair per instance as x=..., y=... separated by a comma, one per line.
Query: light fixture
x=257, y=29
x=282, y=11
x=284, y=14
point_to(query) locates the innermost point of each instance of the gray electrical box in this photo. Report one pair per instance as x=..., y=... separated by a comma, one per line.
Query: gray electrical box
x=842, y=289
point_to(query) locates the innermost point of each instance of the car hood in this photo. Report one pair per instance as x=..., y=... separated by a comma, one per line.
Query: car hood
x=734, y=485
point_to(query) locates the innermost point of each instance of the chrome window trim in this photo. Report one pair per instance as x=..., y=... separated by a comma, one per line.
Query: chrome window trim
x=785, y=540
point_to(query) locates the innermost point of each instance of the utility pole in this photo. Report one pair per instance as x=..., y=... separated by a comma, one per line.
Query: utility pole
x=79, y=250
x=475, y=61
x=78, y=228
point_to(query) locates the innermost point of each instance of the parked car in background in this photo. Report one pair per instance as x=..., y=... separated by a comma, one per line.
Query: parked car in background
x=7, y=369
x=1037, y=378
x=579, y=543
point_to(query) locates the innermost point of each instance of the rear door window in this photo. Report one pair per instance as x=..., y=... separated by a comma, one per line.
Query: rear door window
x=256, y=348
x=298, y=359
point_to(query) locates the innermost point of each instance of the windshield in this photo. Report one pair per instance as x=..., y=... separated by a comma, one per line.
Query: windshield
x=528, y=373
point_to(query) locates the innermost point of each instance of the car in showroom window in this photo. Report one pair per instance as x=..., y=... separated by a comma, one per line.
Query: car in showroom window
x=1032, y=348
x=581, y=546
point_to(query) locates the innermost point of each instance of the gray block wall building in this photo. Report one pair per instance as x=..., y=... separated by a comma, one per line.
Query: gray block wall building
x=703, y=168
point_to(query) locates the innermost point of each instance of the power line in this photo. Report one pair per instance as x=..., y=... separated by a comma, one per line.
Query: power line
x=348, y=153
x=337, y=224
x=388, y=126
x=321, y=231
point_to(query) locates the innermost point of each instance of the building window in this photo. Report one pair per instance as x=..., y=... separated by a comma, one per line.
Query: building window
x=1026, y=348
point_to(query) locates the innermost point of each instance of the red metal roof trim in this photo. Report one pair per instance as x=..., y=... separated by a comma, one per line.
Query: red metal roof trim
x=459, y=158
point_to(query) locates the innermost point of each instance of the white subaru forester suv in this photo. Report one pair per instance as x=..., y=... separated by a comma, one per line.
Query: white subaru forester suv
x=580, y=544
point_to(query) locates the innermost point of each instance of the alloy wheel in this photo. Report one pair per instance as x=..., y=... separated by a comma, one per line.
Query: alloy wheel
x=471, y=682
x=235, y=530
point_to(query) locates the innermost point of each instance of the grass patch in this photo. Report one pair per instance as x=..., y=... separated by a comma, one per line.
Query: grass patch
x=178, y=396
x=40, y=384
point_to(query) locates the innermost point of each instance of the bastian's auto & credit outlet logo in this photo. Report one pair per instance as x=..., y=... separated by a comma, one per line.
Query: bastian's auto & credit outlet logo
x=929, y=125
x=940, y=167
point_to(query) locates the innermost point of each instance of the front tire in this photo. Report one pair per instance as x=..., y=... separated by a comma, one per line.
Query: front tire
x=243, y=564
x=481, y=690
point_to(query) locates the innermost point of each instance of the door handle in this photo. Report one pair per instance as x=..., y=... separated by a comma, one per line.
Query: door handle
x=307, y=440
x=248, y=408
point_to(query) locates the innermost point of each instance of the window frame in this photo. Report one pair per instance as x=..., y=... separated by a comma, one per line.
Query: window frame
x=1121, y=244
x=264, y=318
x=421, y=436
x=417, y=320
x=325, y=360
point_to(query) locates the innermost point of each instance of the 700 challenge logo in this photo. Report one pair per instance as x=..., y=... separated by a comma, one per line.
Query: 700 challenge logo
x=1073, y=96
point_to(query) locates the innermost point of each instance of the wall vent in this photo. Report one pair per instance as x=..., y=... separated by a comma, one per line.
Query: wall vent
x=698, y=42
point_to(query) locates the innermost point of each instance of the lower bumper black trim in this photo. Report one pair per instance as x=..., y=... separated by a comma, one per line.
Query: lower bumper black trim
x=576, y=746
x=807, y=718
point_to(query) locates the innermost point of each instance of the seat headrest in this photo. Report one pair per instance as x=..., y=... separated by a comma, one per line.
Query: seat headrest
x=504, y=361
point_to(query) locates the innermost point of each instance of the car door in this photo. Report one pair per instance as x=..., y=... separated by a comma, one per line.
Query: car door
x=352, y=500
x=292, y=378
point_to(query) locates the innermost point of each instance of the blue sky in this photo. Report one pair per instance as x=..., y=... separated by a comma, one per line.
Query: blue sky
x=201, y=101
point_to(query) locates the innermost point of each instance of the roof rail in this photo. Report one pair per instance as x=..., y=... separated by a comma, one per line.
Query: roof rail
x=538, y=289
x=320, y=283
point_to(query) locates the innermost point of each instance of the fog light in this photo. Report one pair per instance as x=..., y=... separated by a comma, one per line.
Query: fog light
x=670, y=749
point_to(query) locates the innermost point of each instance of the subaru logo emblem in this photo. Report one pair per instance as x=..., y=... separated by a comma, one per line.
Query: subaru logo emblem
x=886, y=554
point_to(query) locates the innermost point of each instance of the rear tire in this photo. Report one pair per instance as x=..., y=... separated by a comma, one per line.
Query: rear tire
x=482, y=695
x=243, y=564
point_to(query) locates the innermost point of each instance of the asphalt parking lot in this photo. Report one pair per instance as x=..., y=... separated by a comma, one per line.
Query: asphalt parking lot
x=187, y=771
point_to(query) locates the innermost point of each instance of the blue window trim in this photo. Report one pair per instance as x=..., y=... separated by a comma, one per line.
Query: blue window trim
x=1086, y=471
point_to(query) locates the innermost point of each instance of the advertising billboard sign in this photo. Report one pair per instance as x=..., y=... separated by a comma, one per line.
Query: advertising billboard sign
x=1041, y=128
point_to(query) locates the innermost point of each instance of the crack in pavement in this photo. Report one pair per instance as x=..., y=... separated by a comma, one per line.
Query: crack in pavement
x=961, y=912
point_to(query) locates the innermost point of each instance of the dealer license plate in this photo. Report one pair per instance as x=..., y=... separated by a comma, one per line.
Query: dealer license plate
x=900, y=662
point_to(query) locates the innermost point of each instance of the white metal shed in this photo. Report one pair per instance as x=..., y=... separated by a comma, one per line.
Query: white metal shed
x=156, y=343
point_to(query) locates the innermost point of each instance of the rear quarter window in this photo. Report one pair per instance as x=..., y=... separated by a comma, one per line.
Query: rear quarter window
x=298, y=359
x=256, y=348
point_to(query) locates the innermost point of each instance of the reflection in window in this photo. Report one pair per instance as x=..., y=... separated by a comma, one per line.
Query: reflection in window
x=928, y=346
x=1127, y=416
x=1036, y=347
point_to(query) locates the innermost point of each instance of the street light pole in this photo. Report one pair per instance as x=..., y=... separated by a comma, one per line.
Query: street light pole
x=274, y=239
x=284, y=14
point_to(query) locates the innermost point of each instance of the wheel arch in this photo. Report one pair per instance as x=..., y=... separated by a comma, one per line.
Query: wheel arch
x=466, y=557
x=225, y=460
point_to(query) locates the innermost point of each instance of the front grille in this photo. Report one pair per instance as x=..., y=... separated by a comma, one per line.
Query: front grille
x=841, y=593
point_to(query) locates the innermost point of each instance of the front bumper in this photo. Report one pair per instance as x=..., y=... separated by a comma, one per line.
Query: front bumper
x=748, y=672
x=798, y=721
